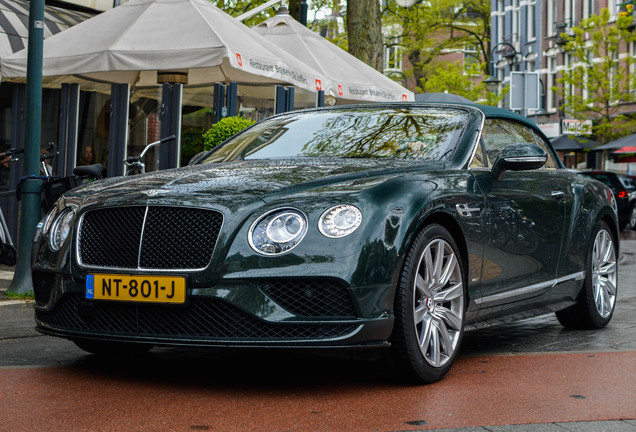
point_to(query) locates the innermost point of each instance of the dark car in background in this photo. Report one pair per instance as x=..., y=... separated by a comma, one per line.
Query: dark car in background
x=385, y=227
x=624, y=191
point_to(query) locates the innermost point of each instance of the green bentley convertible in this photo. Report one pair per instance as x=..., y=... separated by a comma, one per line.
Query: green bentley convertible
x=385, y=227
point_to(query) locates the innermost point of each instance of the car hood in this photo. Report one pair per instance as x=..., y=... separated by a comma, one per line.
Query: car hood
x=232, y=183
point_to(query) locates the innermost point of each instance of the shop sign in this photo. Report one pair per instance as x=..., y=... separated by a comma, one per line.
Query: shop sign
x=576, y=127
x=551, y=130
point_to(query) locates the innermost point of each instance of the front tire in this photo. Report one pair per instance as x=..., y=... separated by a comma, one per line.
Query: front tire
x=597, y=300
x=429, y=308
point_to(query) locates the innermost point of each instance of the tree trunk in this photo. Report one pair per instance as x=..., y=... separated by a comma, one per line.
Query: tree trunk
x=364, y=31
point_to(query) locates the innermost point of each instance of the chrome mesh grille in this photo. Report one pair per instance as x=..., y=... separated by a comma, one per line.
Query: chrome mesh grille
x=111, y=237
x=148, y=237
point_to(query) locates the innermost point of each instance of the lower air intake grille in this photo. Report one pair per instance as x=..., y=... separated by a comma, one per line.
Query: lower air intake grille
x=43, y=285
x=203, y=319
x=310, y=298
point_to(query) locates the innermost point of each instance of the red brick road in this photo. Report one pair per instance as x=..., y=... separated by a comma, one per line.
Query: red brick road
x=477, y=391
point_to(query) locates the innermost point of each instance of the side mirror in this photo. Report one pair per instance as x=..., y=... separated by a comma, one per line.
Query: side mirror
x=518, y=157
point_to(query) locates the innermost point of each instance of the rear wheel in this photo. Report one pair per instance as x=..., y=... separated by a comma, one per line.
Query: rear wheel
x=429, y=308
x=632, y=217
x=105, y=348
x=597, y=300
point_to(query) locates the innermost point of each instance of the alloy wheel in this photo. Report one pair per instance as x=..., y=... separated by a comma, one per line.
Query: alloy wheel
x=604, y=273
x=438, y=303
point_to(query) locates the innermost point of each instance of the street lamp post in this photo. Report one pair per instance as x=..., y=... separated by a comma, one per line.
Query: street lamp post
x=492, y=82
x=401, y=74
x=31, y=189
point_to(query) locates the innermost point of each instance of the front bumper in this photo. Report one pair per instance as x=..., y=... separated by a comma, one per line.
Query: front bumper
x=232, y=314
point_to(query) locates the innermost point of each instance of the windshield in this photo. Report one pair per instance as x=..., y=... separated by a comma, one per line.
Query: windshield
x=429, y=134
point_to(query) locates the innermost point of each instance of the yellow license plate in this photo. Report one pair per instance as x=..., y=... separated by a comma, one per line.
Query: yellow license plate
x=141, y=288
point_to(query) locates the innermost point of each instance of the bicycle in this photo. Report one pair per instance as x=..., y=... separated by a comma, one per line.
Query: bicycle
x=52, y=188
x=8, y=253
x=135, y=163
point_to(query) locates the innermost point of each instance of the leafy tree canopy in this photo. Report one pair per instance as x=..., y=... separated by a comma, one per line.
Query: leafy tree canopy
x=430, y=30
x=598, y=80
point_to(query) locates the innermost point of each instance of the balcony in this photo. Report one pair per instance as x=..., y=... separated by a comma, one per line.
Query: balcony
x=560, y=27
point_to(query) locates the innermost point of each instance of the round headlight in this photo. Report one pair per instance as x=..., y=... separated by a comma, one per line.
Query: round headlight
x=340, y=221
x=61, y=228
x=278, y=232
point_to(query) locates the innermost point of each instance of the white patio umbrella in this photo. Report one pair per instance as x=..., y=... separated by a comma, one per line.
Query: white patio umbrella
x=139, y=40
x=349, y=79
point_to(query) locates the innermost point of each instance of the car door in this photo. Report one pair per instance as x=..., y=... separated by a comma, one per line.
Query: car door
x=524, y=215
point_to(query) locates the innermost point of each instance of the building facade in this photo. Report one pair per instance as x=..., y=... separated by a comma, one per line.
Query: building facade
x=526, y=36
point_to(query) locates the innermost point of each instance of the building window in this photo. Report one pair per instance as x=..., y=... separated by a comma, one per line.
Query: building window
x=393, y=56
x=501, y=11
x=471, y=59
x=552, y=95
x=530, y=21
x=613, y=6
x=570, y=13
x=570, y=89
x=614, y=78
x=551, y=17
x=530, y=65
x=588, y=8
x=516, y=20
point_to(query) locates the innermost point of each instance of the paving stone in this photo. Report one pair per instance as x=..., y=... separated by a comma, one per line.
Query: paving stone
x=599, y=426
x=543, y=427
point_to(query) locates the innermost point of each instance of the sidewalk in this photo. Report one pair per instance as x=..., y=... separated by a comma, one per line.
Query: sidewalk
x=6, y=275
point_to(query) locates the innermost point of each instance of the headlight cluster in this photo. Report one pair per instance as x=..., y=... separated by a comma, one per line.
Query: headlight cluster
x=278, y=231
x=281, y=230
x=60, y=228
x=340, y=221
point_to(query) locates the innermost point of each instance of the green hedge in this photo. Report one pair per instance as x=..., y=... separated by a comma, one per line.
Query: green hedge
x=223, y=130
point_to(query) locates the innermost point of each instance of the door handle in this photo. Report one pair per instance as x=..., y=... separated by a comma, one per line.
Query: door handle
x=557, y=195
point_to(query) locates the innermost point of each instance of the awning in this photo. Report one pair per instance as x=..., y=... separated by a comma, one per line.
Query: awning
x=570, y=143
x=14, y=23
x=629, y=140
x=349, y=80
x=142, y=41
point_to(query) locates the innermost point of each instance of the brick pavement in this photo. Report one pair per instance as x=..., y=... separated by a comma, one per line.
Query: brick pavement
x=539, y=341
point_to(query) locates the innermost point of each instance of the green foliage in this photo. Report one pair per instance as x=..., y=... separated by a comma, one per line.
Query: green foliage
x=191, y=143
x=429, y=30
x=223, y=130
x=494, y=99
x=451, y=78
x=238, y=7
x=598, y=80
x=15, y=296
